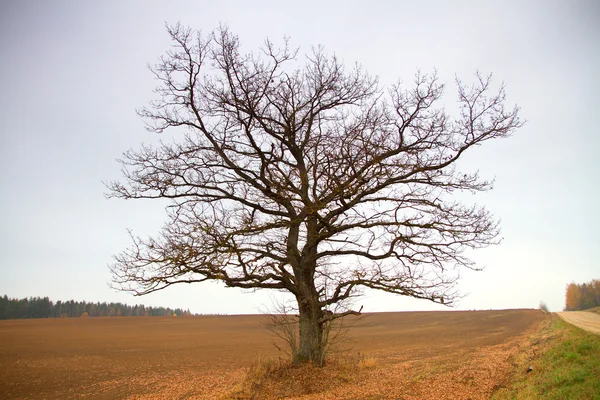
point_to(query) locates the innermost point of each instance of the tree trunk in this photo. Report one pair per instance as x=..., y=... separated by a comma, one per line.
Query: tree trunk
x=311, y=347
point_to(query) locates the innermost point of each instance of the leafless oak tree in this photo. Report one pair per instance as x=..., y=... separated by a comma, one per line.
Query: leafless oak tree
x=297, y=174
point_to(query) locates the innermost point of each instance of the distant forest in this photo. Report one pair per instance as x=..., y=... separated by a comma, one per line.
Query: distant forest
x=583, y=296
x=43, y=307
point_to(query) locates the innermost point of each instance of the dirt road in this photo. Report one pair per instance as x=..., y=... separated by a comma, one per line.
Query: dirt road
x=582, y=319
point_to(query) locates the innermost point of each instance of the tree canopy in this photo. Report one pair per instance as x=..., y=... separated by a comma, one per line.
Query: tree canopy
x=582, y=296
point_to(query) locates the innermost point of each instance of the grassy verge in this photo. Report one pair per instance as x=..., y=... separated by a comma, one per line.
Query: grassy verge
x=563, y=363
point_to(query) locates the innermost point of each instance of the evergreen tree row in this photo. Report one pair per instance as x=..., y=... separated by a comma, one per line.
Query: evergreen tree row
x=43, y=307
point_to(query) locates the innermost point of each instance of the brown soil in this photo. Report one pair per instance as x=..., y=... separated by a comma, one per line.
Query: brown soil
x=417, y=355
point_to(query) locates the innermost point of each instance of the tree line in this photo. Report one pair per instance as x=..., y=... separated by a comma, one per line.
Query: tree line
x=43, y=307
x=583, y=296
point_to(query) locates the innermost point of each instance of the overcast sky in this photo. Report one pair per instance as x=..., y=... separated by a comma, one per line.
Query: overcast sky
x=72, y=74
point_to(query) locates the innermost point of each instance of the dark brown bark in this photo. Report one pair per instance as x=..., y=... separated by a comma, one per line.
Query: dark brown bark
x=310, y=310
x=310, y=347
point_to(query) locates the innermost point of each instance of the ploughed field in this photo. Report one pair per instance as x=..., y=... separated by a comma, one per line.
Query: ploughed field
x=411, y=355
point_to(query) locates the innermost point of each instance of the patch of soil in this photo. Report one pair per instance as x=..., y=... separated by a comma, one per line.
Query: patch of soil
x=442, y=355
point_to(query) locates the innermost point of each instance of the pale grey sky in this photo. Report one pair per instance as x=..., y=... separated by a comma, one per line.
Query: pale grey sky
x=73, y=72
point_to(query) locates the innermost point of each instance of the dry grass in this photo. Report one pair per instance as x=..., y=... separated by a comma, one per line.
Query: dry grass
x=460, y=376
x=278, y=378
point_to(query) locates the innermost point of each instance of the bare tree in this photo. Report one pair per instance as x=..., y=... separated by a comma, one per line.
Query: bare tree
x=307, y=178
x=283, y=322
